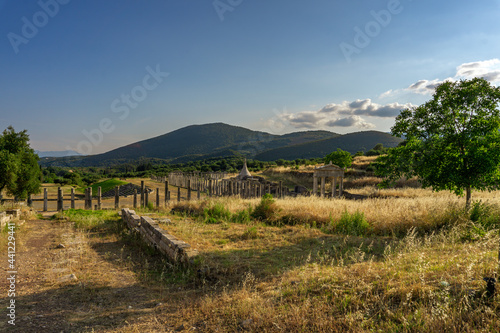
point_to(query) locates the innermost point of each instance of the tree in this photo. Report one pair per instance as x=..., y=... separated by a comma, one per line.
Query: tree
x=341, y=158
x=20, y=174
x=452, y=141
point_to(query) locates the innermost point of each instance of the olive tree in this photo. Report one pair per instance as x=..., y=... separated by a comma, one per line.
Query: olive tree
x=20, y=174
x=452, y=142
x=340, y=158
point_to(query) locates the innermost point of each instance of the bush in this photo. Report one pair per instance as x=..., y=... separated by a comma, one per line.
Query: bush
x=216, y=213
x=486, y=215
x=243, y=216
x=266, y=210
x=354, y=224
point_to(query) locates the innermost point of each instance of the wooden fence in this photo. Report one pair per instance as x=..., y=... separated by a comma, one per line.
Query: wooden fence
x=187, y=186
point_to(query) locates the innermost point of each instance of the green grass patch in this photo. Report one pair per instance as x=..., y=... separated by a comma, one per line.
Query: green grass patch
x=105, y=185
x=216, y=213
x=354, y=224
x=99, y=220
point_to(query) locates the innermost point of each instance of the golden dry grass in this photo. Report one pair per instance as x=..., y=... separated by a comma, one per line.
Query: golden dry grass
x=265, y=278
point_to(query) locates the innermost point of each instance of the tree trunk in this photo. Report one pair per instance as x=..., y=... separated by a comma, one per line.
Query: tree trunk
x=467, y=196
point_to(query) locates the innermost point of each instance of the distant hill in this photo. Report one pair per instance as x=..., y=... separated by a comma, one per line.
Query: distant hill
x=197, y=142
x=63, y=153
x=352, y=142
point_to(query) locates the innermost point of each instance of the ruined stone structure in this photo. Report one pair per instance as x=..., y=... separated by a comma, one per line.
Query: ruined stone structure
x=244, y=173
x=329, y=171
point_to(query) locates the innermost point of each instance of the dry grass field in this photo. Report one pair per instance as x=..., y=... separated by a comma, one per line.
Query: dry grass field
x=402, y=260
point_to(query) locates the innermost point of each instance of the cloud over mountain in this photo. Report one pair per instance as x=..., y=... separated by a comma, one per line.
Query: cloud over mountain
x=345, y=114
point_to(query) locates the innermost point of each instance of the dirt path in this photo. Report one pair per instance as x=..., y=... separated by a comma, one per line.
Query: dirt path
x=86, y=285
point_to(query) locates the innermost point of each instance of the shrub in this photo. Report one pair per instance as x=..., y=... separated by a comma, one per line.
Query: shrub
x=266, y=210
x=243, y=216
x=354, y=224
x=484, y=214
x=216, y=213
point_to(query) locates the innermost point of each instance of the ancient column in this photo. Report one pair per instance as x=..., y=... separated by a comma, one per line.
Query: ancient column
x=334, y=187
x=341, y=187
x=86, y=199
x=322, y=187
x=90, y=197
x=166, y=191
x=315, y=185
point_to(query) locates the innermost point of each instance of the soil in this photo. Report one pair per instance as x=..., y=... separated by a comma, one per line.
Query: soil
x=74, y=281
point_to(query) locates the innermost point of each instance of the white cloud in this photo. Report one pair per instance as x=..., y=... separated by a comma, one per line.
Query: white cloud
x=364, y=107
x=487, y=69
x=352, y=121
x=304, y=119
x=345, y=114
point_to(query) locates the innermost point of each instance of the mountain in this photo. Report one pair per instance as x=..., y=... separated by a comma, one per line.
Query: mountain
x=197, y=142
x=62, y=153
x=352, y=142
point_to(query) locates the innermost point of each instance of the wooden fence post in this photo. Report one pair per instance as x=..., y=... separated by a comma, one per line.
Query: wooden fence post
x=189, y=189
x=117, y=197
x=72, y=198
x=142, y=193
x=45, y=200
x=90, y=197
x=157, y=198
x=146, y=197
x=99, y=198
x=178, y=194
x=59, y=199
x=135, y=198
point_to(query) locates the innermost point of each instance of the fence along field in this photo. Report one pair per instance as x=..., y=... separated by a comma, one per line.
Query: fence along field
x=157, y=191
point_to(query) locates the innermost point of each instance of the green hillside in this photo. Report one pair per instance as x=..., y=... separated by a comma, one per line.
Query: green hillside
x=218, y=140
x=192, y=143
x=353, y=142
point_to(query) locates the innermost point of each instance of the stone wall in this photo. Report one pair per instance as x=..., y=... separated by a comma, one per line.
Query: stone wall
x=7, y=216
x=176, y=250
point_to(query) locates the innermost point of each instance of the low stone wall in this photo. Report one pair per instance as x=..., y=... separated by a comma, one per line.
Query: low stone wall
x=176, y=250
x=4, y=218
x=9, y=215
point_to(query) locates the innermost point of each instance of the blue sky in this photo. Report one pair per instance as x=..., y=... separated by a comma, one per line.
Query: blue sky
x=96, y=75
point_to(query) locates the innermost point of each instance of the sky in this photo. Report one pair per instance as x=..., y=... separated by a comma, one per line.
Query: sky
x=91, y=76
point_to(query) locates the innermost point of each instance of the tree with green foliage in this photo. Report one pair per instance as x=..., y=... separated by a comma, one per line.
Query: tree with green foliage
x=20, y=174
x=340, y=158
x=452, y=141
